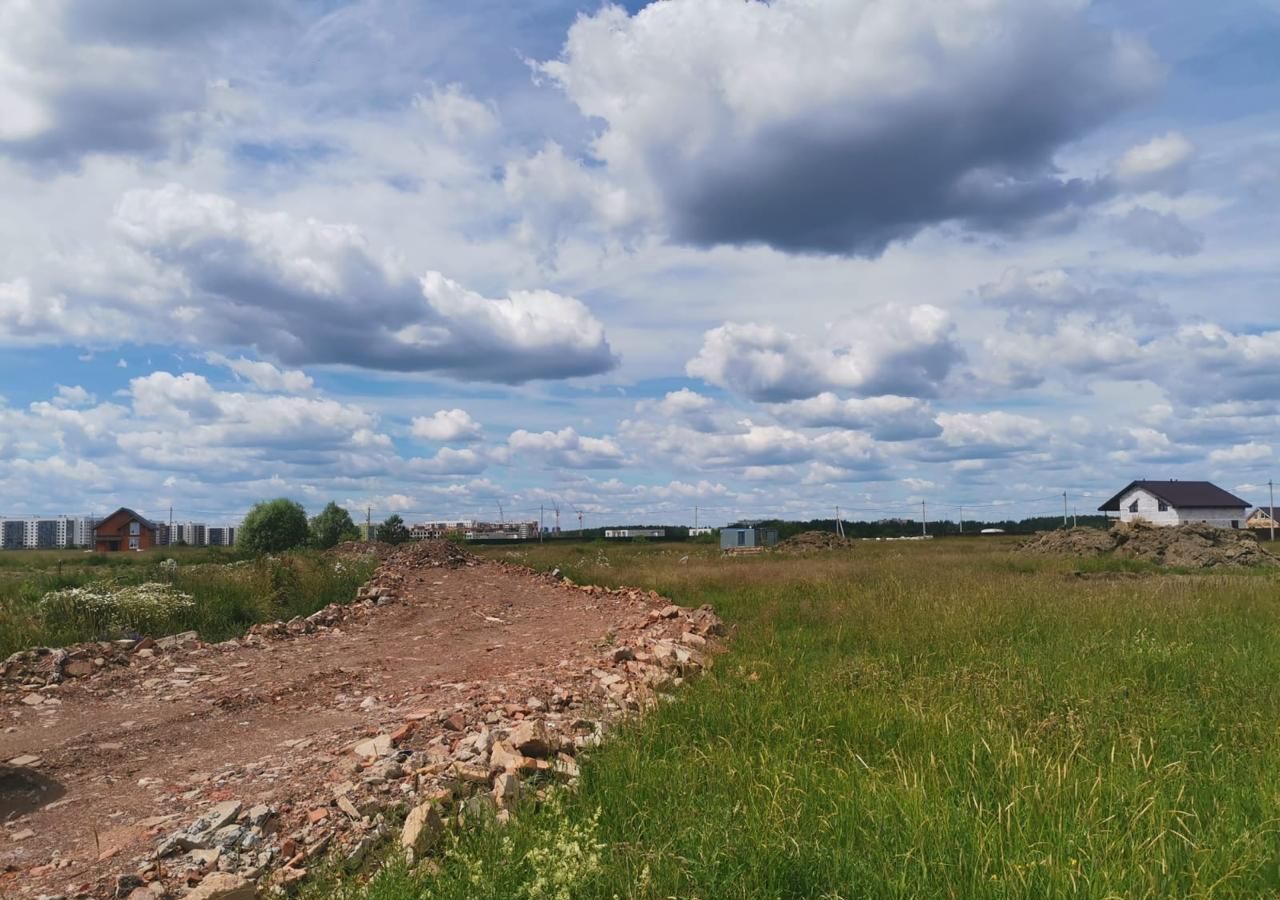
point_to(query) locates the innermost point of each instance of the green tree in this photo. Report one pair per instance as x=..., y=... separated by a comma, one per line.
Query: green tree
x=393, y=531
x=274, y=526
x=332, y=526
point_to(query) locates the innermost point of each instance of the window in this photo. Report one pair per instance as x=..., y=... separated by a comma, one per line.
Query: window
x=742, y=539
x=133, y=543
x=1164, y=507
x=1235, y=523
x=1133, y=507
x=134, y=528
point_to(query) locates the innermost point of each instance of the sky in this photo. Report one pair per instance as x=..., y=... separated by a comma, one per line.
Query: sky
x=750, y=259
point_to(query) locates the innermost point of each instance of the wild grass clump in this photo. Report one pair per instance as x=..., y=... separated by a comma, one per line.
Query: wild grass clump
x=935, y=720
x=169, y=595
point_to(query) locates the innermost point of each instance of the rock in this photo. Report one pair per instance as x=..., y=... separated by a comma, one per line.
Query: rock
x=530, y=737
x=23, y=835
x=25, y=762
x=33, y=699
x=223, y=814
x=506, y=790
x=622, y=654
x=223, y=886
x=565, y=766
x=317, y=815
x=422, y=831
x=504, y=758
x=669, y=612
x=126, y=884
x=373, y=747
x=693, y=640
x=176, y=640
x=456, y=722
x=349, y=808
x=78, y=668
x=258, y=815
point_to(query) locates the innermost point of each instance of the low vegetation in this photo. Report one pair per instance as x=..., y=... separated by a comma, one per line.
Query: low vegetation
x=944, y=719
x=50, y=598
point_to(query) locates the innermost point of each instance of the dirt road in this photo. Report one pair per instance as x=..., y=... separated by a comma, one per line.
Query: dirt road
x=130, y=754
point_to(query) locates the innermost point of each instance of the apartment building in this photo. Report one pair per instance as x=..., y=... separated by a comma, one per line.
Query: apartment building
x=45, y=532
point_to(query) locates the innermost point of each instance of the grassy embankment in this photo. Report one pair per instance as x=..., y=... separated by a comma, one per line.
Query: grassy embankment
x=921, y=720
x=38, y=606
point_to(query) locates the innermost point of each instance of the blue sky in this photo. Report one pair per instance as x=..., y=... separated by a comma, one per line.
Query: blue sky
x=755, y=258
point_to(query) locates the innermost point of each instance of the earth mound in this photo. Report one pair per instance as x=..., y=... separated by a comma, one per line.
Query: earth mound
x=1072, y=541
x=808, y=541
x=1194, y=545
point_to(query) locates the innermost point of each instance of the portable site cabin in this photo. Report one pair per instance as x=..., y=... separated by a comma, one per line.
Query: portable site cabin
x=747, y=538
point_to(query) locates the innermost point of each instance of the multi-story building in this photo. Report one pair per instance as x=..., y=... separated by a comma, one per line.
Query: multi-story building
x=46, y=532
x=221, y=536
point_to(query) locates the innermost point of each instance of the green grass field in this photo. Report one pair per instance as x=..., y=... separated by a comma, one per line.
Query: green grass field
x=919, y=720
x=226, y=594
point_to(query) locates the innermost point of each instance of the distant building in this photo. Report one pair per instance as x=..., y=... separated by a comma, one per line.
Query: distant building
x=739, y=538
x=124, y=529
x=45, y=532
x=699, y=531
x=635, y=532
x=504, y=531
x=221, y=536
x=1177, y=502
x=1264, y=517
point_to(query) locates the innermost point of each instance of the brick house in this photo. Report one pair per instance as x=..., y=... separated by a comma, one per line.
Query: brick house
x=124, y=529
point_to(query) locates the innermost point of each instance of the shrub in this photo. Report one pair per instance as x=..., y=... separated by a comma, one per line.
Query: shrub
x=274, y=526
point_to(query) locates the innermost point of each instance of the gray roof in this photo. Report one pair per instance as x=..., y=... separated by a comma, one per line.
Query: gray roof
x=1181, y=495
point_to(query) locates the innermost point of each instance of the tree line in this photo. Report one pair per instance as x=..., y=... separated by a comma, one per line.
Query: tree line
x=274, y=526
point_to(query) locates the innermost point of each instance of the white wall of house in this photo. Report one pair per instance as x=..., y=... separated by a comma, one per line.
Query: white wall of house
x=1150, y=511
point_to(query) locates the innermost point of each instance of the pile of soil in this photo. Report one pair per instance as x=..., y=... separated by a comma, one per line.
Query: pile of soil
x=809, y=541
x=1195, y=545
x=1192, y=546
x=1072, y=541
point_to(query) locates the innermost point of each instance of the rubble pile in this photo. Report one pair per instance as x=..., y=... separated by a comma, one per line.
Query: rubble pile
x=359, y=550
x=28, y=670
x=1194, y=545
x=810, y=541
x=430, y=555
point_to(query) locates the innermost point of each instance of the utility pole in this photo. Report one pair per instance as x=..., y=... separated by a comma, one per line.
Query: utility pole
x=541, y=509
x=1271, y=512
x=1075, y=515
x=502, y=517
x=839, y=524
x=962, y=520
x=556, y=504
x=368, y=523
x=579, y=523
x=1064, y=509
x=695, y=517
x=924, y=520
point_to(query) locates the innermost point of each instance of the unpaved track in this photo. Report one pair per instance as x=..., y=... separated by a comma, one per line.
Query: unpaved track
x=123, y=748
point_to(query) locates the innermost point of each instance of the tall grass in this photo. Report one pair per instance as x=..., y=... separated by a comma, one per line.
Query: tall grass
x=938, y=720
x=227, y=597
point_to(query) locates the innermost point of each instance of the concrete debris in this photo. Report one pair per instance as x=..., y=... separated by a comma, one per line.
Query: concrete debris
x=223, y=886
x=422, y=831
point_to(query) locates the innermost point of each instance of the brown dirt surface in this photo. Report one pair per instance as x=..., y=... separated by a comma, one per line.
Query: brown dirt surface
x=1195, y=545
x=442, y=656
x=810, y=541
